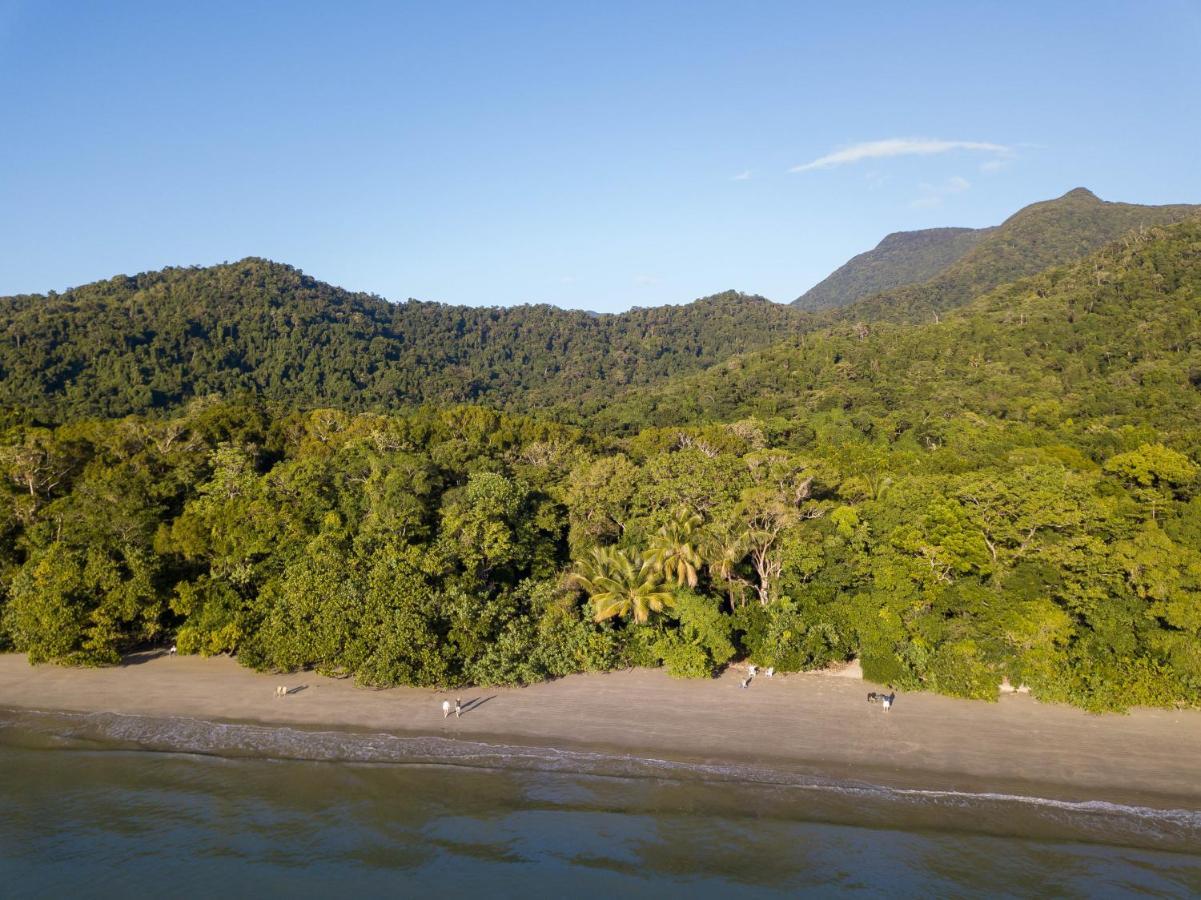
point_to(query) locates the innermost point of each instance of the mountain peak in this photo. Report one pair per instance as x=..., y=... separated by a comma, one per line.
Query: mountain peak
x=957, y=263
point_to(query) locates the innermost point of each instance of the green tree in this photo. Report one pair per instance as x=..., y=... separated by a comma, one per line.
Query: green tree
x=619, y=584
x=1154, y=473
x=675, y=552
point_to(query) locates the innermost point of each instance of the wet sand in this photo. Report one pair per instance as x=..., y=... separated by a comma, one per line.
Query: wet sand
x=811, y=723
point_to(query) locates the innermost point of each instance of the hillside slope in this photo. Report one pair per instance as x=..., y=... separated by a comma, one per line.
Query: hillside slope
x=1112, y=340
x=902, y=258
x=153, y=341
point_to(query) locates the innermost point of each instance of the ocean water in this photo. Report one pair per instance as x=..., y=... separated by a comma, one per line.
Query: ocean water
x=105, y=806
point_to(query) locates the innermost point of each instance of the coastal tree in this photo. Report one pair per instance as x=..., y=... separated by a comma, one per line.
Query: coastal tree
x=674, y=551
x=620, y=584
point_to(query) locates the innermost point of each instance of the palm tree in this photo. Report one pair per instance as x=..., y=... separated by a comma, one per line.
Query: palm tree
x=675, y=549
x=620, y=585
x=725, y=548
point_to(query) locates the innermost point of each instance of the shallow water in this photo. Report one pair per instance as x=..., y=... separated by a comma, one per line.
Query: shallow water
x=102, y=805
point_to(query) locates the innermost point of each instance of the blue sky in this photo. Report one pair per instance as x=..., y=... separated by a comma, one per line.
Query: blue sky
x=594, y=155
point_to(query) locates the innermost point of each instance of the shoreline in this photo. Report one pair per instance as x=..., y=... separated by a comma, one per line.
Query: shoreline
x=801, y=724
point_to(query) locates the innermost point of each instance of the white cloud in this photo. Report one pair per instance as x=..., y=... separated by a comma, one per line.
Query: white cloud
x=993, y=165
x=567, y=279
x=646, y=279
x=934, y=194
x=896, y=147
x=742, y=176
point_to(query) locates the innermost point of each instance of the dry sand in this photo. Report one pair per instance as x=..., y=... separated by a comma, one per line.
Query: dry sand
x=799, y=722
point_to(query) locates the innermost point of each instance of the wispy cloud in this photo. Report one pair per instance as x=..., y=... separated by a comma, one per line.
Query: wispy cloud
x=896, y=147
x=745, y=175
x=934, y=194
x=993, y=165
x=646, y=279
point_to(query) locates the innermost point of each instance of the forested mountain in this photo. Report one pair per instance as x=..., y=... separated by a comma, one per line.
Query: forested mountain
x=1113, y=340
x=916, y=274
x=1035, y=238
x=902, y=258
x=153, y=341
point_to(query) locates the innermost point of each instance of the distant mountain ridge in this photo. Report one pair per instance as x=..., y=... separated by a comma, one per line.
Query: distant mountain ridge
x=1112, y=338
x=1036, y=237
x=152, y=342
x=902, y=258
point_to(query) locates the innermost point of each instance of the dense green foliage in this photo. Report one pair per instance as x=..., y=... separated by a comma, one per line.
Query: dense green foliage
x=901, y=259
x=1010, y=492
x=1066, y=356
x=438, y=548
x=153, y=341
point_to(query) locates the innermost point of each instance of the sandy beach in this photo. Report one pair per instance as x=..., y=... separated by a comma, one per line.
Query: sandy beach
x=810, y=723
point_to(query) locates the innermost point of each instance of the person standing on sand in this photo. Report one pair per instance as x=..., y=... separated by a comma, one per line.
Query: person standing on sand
x=445, y=708
x=458, y=707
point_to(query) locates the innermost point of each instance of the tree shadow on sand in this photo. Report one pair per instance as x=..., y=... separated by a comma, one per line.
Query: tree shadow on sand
x=141, y=657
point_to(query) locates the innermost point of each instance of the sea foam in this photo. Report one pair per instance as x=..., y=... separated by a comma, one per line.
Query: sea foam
x=825, y=798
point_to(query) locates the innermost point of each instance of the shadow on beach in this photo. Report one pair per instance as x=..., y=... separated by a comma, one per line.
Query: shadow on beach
x=472, y=705
x=141, y=657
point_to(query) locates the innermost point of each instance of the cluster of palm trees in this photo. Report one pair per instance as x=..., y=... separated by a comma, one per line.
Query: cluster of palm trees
x=623, y=582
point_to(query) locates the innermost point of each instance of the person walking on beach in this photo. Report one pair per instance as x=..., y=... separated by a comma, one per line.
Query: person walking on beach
x=458, y=707
x=445, y=708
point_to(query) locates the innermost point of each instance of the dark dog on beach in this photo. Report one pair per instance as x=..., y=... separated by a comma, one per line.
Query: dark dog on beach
x=874, y=697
